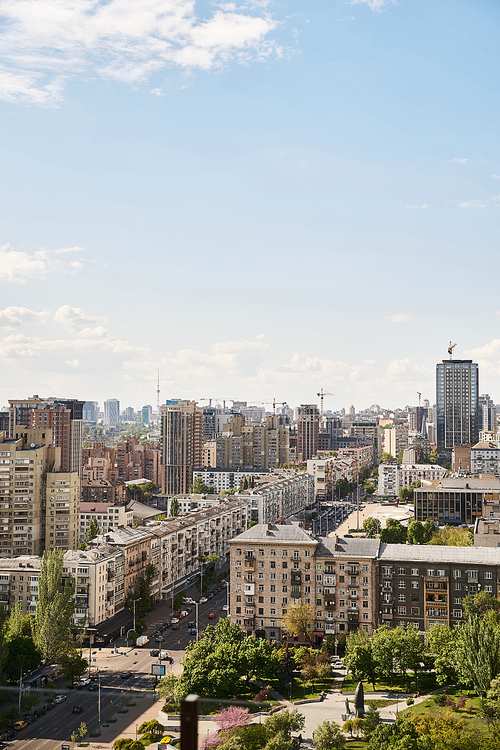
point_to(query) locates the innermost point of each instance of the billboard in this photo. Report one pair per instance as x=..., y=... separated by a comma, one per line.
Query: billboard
x=158, y=670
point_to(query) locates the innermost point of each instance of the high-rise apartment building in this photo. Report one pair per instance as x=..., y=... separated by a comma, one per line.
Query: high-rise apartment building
x=63, y=416
x=308, y=430
x=112, y=412
x=487, y=414
x=369, y=431
x=182, y=445
x=38, y=501
x=244, y=444
x=90, y=412
x=457, y=396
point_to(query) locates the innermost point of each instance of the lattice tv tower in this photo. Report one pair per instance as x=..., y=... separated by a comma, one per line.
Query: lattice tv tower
x=158, y=394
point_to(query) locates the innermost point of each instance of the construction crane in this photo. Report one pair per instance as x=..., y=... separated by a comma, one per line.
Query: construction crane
x=274, y=403
x=322, y=394
x=419, y=395
x=450, y=349
x=216, y=399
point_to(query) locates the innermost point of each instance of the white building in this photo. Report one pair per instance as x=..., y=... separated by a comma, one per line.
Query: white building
x=224, y=479
x=107, y=515
x=280, y=498
x=111, y=412
x=394, y=477
x=485, y=458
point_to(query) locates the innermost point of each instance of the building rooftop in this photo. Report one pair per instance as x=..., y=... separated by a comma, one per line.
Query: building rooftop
x=95, y=507
x=342, y=547
x=485, y=446
x=263, y=532
x=430, y=553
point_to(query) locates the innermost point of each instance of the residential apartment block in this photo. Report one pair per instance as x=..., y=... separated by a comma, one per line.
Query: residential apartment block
x=107, y=515
x=247, y=445
x=394, y=477
x=351, y=583
x=138, y=461
x=282, y=496
x=308, y=430
x=485, y=458
x=222, y=479
x=457, y=398
x=38, y=501
x=182, y=445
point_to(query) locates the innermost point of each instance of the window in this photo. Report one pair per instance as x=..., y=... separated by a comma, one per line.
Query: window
x=284, y=601
x=457, y=573
x=402, y=610
x=273, y=600
x=238, y=598
x=261, y=576
x=365, y=605
x=273, y=553
x=307, y=553
x=402, y=597
x=284, y=577
x=402, y=571
x=285, y=589
x=456, y=586
x=318, y=602
x=441, y=572
x=365, y=580
x=365, y=592
x=342, y=603
x=284, y=553
x=430, y=573
x=414, y=571
x=488, y=575
x=365, y=615
x=284, y=565
x=238, y=552
x=261, y=600
x=457, y=601
x=273, y=587
x=457, y=613
x=261, y=552
x=318, y=578
x=488, y=589
x=401, y=584
x=273, y=611
x=273, y=564
x=342, y=566
x=273, y=576
x=261, y=588
x=415, y=611
x=365, y=568
x=318, y=566
x=414, y=584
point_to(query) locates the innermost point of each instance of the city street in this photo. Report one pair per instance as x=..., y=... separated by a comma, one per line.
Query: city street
x=58, y=724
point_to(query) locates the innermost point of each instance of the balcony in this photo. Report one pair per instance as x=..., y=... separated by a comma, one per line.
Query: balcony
x=387, y=576
x=353, y=615
x=296, y=577
x=295, y=592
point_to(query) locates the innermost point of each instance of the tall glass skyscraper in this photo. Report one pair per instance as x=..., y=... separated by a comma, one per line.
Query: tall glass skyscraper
x=457, y=399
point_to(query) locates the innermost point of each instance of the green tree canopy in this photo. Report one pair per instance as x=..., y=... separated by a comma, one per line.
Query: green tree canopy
x=21, y=653
x=55, y=607
x=299, y=620
x=73, y=665
x=174, y=507
x=93, y=530
x=359, y=656
x=327, y=736
x=394, y=532
x=371, y=527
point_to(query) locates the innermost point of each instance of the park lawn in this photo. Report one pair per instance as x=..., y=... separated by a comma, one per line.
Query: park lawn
x=304, y=690
x=426, y=683
x=356, y=744
x=429, y=707
x=380, y=702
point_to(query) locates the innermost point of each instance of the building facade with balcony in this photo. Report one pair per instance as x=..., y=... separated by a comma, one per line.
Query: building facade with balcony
x=273, y=566
x=107, y=515
x=282, y=496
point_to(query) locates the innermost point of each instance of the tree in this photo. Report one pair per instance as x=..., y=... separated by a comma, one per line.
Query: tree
x=286, y=677
x=179, y=600
x=21, y=653
x=245, y=484
x=134, y=490
x=232, y=717
x=82, y=729
x=174, y=507
x=73, y=665
x=299, y=620
x=371, y=527
x=452, y=537
x=442, y=641
x=372, y=720
x=93, y=530
x=18, y=624
x=199, y=487
x=343, y=487
x=430, y=529
x=348, y=726
x=153, y=728
x=359, y=658
x=284, y=723
x=327, y=736
x=369, y=488
x=82, y=546
x=415, y=532
x=127, y=743
x=480, y=604
x=384, y=643
x=433, y=456
x=478, y=647
x=400, y=456
x=387, y=457
x=55, y=607
x=394, y=532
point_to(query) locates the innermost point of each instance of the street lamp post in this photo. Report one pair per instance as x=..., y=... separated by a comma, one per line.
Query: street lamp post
x=133, y=602
x=99, y=699
x=91, y=632
x=227, y=598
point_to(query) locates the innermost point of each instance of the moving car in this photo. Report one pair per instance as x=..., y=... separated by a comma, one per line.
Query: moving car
x=175, y=626
x=77, y=709
x=337, y=665
x=59, y=698
x=93, y=686
x=192, y=631
x=125, y=674
x=85, y=681
x=48, y=705
x=175, y=620
x=20, y=725
x=154, y=652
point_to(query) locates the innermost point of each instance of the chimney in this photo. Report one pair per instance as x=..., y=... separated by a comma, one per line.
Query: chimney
x=282, y=520
x=269, y=526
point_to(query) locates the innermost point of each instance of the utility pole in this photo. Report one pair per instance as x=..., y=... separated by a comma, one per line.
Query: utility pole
x=133, y=602
x=357, y=508
x=20, y=688
x=99, y=699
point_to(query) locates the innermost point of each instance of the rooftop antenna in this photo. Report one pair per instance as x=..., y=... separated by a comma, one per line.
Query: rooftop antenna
x=450, y=349
x=158, y=393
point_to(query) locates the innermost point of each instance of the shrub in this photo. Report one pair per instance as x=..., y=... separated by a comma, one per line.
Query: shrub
x=263, y=695
x=440, y=700
x=450, y=703
x=410, y=701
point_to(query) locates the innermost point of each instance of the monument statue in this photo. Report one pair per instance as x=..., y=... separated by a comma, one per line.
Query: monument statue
x=359, y=701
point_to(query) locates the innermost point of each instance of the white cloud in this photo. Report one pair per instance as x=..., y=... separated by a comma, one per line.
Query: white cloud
x=44, y=44
x=157, y=92
x=458, y=160
x=16, y=316
x=415, y=207
x=400, y=318
x=376, y=5
x=73, y=362
x=17, y=266
x=496, y=176
x=398, y=366
x=68, y=250
x=73, y=318
x=481, y=202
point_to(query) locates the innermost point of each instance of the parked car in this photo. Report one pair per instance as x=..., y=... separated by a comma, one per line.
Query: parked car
x=49, y=705
x=154, y=652
x=225, y=608
x=176, y=741
x=337, y=665
x=211, y=616
x=203, y=600
x=93, y=686
x=30, y=718
x=85, y=681
x=175, y=620
x=125, y=674
x=59, y=698
x=77, y=709
x=167, y=624
x=175, y=626
x=184, y=613
x=20, y=725
x=38, y=712
x=8, y=735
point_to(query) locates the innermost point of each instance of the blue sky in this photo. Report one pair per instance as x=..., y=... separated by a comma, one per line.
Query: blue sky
x=260, y=198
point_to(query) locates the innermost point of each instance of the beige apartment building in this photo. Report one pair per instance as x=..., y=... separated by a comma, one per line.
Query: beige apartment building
x=135, y=544
x=182, y=445
x=273, y=566
x=107, y=515
x=38, y=502
x=245, y=445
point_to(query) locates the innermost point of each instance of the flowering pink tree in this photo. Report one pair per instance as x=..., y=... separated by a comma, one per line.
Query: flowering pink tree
x=210, y=740
x=232, y=717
